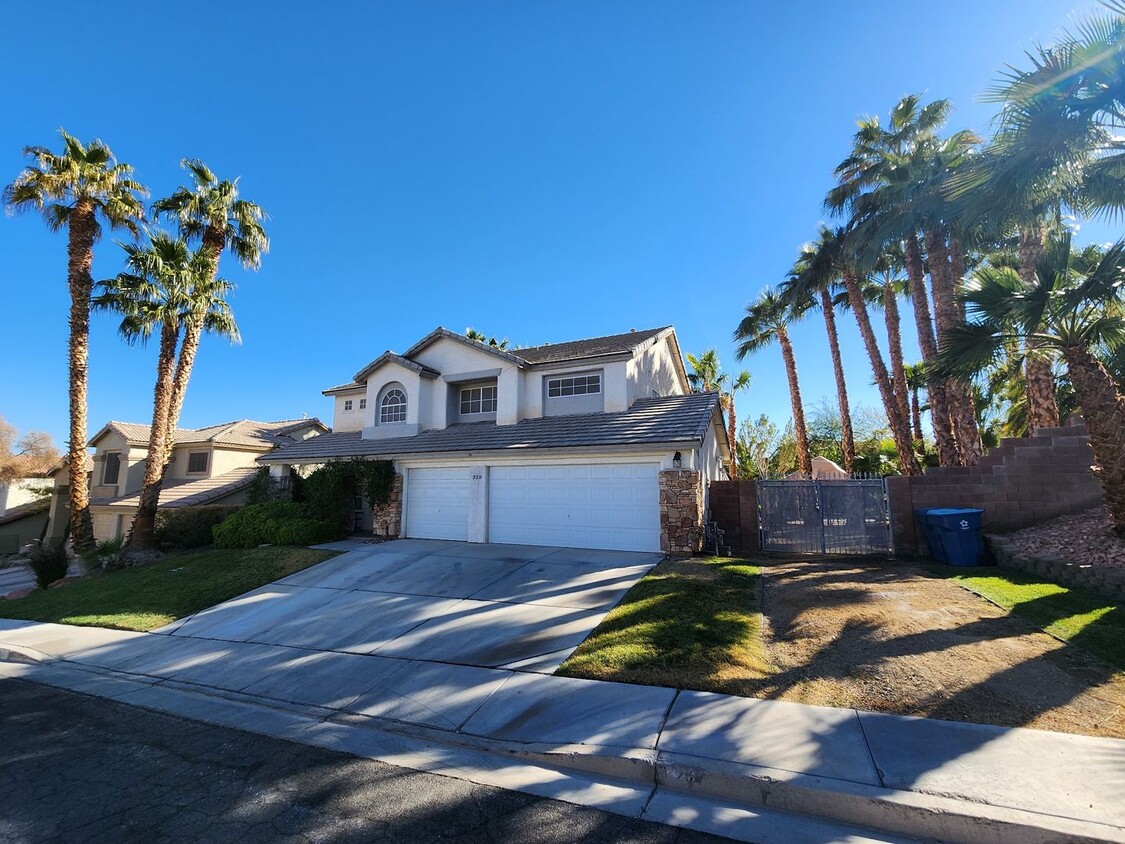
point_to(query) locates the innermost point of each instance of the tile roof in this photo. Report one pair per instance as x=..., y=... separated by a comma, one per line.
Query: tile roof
x=670, y=419
x=393, y=357
x=613, y=344
x=242, y=432
x=191, y=492
x=21, y=511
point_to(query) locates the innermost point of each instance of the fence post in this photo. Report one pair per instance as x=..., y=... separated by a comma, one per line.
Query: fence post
x=748, y=516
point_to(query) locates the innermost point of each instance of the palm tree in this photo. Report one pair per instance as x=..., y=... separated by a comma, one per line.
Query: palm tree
x=159, y=290
x=481, y=337
x=807, y=284
x=212, y=213
x=836, y=253
x=891, y=185
x=706, y=376
x=768, y=319
x=76, y=189
x=915, y=381
x=1069, y=309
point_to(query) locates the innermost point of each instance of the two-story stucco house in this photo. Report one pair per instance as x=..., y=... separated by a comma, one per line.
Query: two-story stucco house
x=212, y=465
x=593, y=443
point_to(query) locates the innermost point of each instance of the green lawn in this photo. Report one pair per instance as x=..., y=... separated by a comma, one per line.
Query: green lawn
x=1082, y=618
x=690, y=624
x=149, y=596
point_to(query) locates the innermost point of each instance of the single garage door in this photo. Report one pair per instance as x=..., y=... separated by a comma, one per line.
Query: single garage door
x=437, y=504
x=615, y=506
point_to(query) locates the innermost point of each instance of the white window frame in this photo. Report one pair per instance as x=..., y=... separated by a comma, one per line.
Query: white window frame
x=363, y=404
x=483, y=396
x=347, y=405
x=567, y=386
x=392, y=413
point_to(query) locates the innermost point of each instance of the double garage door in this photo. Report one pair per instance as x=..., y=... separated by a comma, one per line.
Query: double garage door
x=612, y=505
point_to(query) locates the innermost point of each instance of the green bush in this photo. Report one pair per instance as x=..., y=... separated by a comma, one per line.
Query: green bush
x=108, y=555
x=49, y=564
x=330, y=491
x=190, y=527
x=274, y=523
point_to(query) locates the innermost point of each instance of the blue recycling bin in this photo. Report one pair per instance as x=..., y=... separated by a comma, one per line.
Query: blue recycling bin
x=929, y=530
x=957, y=531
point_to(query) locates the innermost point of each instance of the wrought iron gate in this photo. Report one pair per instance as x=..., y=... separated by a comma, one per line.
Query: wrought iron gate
x=824, y=517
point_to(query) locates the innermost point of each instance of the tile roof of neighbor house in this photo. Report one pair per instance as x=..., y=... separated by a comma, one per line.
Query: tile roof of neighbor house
x=22, y=511
x=670, y=419
x=192, y=492
x=244, y=433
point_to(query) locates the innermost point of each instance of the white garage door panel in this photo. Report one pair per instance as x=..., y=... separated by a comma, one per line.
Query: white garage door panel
x=437, y=504
x=613, y=506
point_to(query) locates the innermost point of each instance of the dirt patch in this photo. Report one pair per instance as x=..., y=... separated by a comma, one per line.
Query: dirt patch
x=1083, y=538
x=894, y=638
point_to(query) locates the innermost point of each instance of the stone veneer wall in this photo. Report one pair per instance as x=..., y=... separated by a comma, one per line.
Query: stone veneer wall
x=386, y=520
x=1026, y=481
x=681, y=511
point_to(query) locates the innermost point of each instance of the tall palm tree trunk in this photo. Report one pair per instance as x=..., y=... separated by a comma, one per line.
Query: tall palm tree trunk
x=800, y=429
x=847, y=431
x=141, y=535
x=958, y=396
x=213, y=245
x=83, y=229
x=916, y=415
x=900, y=430
x=894, y=344
x=1103, y=408
x=1042, y=406
x=944, y=440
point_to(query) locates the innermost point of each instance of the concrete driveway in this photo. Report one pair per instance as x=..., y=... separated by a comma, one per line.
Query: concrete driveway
x=489, y=606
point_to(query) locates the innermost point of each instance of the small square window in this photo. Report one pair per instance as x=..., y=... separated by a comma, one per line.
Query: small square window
x=347, y=405
x=363, y=404
x=197, y=462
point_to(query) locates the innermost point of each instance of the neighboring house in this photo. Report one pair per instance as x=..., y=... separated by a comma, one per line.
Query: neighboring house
x=594, y=443
x=212, y=465
x=23, y=512
x=823, y=469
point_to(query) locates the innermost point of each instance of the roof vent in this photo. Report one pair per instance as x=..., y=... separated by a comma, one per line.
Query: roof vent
x=632, y=331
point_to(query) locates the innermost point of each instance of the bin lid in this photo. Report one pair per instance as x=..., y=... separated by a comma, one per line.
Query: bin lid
x=953, y=511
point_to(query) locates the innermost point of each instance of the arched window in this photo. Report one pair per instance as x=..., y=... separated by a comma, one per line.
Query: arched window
x=392, y=408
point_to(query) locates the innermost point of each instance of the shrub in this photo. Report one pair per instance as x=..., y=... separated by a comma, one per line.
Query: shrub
x=274, y=523
x=49, y=564
x=108, y=555
x=330, y=490
x=190, y=527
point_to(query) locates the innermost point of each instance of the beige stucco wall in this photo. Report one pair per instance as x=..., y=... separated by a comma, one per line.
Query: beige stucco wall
x=23, y=491
x=654, y=373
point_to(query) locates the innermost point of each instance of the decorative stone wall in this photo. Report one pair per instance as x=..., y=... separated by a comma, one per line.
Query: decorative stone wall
x=1026, y=481
x=386, y=520
x=681, y=511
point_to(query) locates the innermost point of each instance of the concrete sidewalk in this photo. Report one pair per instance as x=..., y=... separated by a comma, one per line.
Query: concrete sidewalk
x=753, y=770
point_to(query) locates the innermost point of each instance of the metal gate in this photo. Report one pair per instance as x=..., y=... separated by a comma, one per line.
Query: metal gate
x=824, y=517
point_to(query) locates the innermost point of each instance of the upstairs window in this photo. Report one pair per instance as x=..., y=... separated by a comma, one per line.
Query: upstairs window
x=112, y=469
x=393, y=407
x=478, y=400
x=574, y=385
x=197, y=462
x=347, y=405
x=363, y=404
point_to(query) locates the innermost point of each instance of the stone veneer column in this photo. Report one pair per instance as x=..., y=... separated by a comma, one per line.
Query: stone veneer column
x=386, y=520
x=681, y=511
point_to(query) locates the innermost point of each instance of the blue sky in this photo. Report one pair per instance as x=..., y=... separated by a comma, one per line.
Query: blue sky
x=540, y=171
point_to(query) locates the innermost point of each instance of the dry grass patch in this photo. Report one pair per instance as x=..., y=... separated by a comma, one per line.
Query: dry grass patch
x=689, y=624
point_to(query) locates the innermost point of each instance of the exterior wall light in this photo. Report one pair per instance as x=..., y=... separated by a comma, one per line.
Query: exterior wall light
x=677, y=461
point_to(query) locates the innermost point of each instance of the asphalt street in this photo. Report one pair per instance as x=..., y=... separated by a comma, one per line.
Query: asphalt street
x=79, y=768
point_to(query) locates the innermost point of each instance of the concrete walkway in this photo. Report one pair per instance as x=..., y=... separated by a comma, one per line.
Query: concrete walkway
x=761, y=771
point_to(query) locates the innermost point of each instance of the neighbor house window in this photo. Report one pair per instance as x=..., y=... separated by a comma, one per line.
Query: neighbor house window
x=112, y=467
x=393, y=407
x=574, y=385
x=347, y=404
x=363, y=404
x=197, y=462
x=478, y=400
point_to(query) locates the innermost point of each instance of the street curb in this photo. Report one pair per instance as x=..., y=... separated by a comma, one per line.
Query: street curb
x=901, y=813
